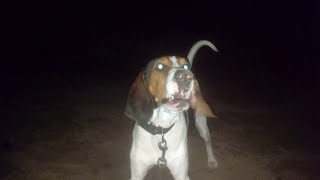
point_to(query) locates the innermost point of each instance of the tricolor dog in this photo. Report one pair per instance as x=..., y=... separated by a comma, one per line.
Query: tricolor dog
x=157, y=101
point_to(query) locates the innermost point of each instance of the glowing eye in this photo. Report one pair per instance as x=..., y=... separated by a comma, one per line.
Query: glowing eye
x=186, y=67
x=160, y=66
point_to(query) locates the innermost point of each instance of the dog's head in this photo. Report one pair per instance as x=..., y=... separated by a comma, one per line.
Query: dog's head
x=166, y=82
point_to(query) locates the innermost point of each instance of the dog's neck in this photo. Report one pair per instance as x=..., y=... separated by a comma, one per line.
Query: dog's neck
x=164, y=117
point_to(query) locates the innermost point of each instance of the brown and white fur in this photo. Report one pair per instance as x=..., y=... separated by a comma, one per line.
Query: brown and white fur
x=159, y=96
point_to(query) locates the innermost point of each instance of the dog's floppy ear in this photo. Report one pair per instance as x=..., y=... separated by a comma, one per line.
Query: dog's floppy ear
x=198, y=104
x=139, y=105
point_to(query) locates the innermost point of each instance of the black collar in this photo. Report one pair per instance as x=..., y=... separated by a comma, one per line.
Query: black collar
x=152, y=129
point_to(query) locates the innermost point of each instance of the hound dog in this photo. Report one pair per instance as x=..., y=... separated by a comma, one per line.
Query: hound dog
x=157, y=101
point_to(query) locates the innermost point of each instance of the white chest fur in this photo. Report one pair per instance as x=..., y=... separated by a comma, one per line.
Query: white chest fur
x=165, y=118
x=145, y=144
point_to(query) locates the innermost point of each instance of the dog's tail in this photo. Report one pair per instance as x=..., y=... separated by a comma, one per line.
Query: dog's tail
x=197, y=46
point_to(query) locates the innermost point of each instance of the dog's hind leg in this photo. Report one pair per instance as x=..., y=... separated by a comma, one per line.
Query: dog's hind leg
x=201, y=124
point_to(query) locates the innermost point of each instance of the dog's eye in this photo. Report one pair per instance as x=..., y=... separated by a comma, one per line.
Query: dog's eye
x=161, y=66
x=185, y=67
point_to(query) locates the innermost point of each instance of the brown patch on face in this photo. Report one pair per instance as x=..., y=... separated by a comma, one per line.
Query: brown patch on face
x=182, y=61
x=158, y=79
x=198, y=103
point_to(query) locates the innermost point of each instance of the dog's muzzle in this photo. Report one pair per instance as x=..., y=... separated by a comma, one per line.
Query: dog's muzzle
x=183, y=78
x=180, y=99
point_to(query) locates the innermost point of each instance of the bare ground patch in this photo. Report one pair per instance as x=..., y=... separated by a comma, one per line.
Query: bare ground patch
x=86, y=136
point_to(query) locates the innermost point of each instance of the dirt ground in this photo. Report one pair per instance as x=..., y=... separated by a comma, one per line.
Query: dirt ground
x=77, y=130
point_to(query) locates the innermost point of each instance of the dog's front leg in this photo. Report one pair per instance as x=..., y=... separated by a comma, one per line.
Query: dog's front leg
x=179, y=165
x=138, y=169
x=139, y=159
x=201, y=124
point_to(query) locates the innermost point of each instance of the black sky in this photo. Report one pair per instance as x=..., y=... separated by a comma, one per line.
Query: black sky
x=269, y=43
x=275, y=33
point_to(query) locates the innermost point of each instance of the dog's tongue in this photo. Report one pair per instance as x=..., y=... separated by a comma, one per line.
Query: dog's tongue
x=171, y=99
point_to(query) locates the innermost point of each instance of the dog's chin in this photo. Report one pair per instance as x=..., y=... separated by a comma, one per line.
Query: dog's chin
x=176, y=105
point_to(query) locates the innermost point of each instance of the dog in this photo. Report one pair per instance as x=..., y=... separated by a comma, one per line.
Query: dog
x=157, y=100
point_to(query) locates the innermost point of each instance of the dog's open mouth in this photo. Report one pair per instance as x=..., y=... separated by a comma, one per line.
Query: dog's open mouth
x=176, y=102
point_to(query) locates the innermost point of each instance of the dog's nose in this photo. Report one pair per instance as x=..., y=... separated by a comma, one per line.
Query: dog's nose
x=184, y=76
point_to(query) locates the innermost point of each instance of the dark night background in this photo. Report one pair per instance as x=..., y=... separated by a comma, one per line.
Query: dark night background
x=267, y=52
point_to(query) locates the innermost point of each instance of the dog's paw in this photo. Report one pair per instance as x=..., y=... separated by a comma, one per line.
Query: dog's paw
x=212, y=165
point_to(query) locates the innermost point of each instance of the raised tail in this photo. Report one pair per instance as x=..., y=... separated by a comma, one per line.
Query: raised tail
x=197, y=46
